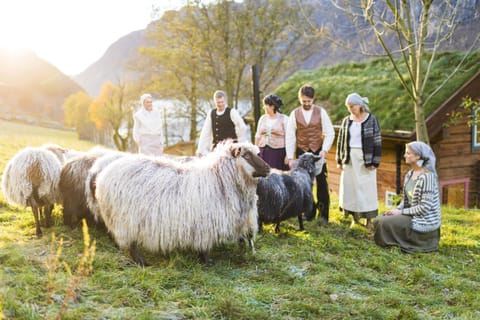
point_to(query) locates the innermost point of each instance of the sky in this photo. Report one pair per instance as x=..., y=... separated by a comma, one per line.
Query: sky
x=73, y=34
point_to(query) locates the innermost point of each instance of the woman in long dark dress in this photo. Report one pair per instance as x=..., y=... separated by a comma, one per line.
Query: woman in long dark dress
x=415, y=225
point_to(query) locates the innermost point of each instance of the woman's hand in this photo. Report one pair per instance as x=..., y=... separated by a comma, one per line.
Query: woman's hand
x=393, y=212
x=291, y=163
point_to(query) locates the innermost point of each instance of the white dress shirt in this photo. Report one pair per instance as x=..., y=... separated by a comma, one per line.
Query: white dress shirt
x=291, y=134
x=206, y=136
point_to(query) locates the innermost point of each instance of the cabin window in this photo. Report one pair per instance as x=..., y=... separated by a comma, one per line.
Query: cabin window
x=475, y=131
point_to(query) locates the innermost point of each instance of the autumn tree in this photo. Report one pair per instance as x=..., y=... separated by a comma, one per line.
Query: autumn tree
x=172, y=64
x=76, y=114
x=268, y=33
x=205, y=47
x=410, y=34
x=113, y=110
x=280, y=38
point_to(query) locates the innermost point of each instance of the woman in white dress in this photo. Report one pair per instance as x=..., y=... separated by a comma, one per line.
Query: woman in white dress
x=359, y=149
x=148, y=127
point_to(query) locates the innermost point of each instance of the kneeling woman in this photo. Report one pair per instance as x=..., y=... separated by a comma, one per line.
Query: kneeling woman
x=415, y=225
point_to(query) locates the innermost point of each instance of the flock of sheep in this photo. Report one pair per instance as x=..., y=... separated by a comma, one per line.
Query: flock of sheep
x=161, y=204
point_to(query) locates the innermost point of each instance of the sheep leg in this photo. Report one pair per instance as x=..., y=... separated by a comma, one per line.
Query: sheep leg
x=204, y=257
x=277, y=225
x=67, y=216
x=300, y=222
x=260, y=225
x=250, y=242
x=136, y=256
x=48, y=215
x=36, y=216
x=311, y=213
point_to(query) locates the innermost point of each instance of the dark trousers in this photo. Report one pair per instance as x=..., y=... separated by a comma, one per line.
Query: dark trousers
x=323, y=195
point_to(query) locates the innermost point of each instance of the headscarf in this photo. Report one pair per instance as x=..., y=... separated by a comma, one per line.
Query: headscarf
x=427, y=157
x=355, y=98
x=144, y=97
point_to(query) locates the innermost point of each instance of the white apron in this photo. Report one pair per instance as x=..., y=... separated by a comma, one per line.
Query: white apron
x=151, y=145
x=358, y=185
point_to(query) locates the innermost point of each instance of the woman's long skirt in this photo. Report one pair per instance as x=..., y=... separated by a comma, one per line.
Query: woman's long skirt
x=397, y=231
x=274, y=157
x=151, y=145
x=358, y=187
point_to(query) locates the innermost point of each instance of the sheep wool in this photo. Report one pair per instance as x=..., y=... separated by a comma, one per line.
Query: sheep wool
x=165, y=205
x=284, y=195
x=90, y=182
x=72, y=189
x=31, y=178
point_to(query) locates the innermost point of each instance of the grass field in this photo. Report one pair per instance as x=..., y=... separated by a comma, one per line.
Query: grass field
x=333, y=272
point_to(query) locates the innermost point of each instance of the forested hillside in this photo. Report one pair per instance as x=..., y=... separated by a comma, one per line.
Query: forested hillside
x=377, y=81
x=340, y=42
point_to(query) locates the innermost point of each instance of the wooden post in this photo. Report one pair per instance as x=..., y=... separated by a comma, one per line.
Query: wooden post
x=256, y=95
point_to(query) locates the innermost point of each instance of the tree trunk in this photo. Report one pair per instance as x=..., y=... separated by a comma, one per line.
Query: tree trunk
x=420, y=124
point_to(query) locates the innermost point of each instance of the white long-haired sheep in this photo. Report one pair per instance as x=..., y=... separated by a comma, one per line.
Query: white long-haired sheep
x=90, y=182
x=31, y=179
x=165, y=205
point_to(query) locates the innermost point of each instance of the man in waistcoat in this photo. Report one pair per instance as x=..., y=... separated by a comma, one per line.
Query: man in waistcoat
x=222, y=123
x=310, y=129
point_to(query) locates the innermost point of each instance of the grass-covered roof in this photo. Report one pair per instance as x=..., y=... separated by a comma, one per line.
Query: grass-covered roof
x=378, y=81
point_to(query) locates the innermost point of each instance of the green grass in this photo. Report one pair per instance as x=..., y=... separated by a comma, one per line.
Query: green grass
x=329, y=272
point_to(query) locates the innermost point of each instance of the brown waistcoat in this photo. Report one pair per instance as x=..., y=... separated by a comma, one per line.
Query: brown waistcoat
x=309, y=137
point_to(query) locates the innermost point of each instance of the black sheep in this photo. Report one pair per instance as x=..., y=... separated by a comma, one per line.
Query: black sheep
x=284, y=195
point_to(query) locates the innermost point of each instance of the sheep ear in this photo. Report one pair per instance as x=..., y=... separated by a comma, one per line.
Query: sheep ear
x=316, y=158
x=236, y=151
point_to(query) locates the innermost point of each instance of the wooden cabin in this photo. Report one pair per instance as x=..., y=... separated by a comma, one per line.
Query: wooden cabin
x=457, y=148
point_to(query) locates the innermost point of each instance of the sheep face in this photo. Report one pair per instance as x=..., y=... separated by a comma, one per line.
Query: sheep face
x=254, y=165
x=307, y=161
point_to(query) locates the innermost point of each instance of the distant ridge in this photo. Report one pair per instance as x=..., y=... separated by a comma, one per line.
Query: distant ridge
x=112, y=66
x=31, y=88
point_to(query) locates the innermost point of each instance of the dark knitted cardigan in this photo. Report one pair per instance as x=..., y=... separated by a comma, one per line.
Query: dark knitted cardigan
x=371, y=142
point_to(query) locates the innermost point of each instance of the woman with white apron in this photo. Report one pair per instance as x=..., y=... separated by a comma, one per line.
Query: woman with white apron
x=148, y=128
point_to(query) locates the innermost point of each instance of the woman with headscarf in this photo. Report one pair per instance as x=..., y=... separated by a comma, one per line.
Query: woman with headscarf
x=270, y=135
x=415, y=225
x=359, y=149
x=148, y=128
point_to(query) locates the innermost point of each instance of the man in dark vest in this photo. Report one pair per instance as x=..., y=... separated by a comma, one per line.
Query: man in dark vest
x=222, y=123
x=310, y=129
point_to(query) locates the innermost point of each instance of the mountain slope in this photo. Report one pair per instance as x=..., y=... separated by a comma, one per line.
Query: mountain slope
x=112, y=66
x=31, y=86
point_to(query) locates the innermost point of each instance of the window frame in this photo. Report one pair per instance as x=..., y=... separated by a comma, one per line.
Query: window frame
x=475, y=131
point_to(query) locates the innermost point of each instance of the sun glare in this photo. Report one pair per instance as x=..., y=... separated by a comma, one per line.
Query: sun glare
x=15, y=34
x=71, y=35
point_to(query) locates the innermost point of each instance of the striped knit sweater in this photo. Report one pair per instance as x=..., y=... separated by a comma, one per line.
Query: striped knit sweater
x=425, y=206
